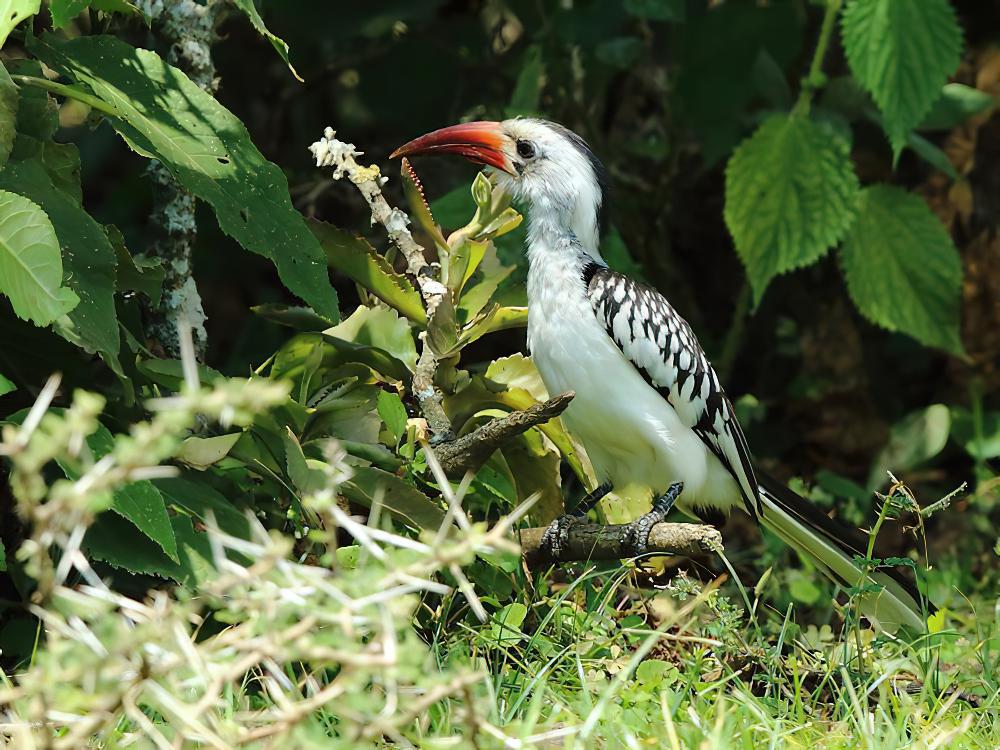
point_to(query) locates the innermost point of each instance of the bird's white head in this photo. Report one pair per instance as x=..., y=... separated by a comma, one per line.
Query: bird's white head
x=540, y=163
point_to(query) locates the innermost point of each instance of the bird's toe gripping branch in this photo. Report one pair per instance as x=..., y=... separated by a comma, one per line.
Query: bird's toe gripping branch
x=636, y=534
x=556, y=536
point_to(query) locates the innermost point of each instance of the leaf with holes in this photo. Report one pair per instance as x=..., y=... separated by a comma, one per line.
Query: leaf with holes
x=31, y=268
x=902, y=52
x=163, y=115
x=791, y=193
x=12, y=12
x=901, y=267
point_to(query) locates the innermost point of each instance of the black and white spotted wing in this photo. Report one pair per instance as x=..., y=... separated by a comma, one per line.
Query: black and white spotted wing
x=662, y=346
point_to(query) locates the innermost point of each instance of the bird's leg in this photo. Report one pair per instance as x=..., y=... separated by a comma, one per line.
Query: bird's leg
x=636, y=534
x=555, y=536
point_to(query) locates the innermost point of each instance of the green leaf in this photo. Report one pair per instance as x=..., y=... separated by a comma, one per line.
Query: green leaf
x=88, y=254
x=294, y=316
x=505, y=625
x=379, y=327
x=405, y=503
x=3, y=557
x=138, y=275
x=201, y=452
x=656, y=10
x=197, y=497
x=790, y=195
x=902, y=52
x=169, y=373
x=528, y=88
x=12, y=12
x=139, y=502
x=901, y=267
x=393, y=413
x=917, y=438
x=6, y=386
x=620, y=52
x=354, y=257
x=956, y=104
x=64, y=11
x=31, y=269
x=248, y=7
x=164, y=115
x=982, y=441
x=9, y=99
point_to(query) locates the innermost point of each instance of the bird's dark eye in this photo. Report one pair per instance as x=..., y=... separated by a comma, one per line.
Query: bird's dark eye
x=525, y=150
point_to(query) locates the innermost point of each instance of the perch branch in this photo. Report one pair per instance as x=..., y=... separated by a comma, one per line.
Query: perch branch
x=598, y=542
x=469, y=452
x=330, y=152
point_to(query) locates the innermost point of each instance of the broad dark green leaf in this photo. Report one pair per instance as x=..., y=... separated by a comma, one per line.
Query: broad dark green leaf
x=9, y=99
x=163, y=115
x=64, y=11
x=12, y=12
x=902, y=52
x=405, y=503
x=791, y=194
x=901, y=267
x=294, y=316
x=354, y=257
x=197, y=497
x=378, y=327
x=170, y=373
x=88, y=256
x=31, y=270
x=144, y=275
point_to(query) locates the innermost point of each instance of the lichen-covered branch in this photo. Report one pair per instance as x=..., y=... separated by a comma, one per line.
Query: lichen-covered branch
x=330, y=152
x=188, y=28
x=586, y=541
x=469, y=452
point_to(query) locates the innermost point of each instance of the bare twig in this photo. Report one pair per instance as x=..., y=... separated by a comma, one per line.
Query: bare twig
x=598, y=542
x=469, y=452
x=330, y=152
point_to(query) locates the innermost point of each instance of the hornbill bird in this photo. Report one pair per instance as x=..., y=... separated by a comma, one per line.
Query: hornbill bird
x=649, y=408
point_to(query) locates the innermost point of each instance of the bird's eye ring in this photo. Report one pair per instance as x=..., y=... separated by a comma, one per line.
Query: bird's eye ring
x=525, y=150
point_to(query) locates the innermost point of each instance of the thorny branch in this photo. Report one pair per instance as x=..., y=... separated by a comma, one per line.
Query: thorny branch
x=598, y=542
x=330, y=152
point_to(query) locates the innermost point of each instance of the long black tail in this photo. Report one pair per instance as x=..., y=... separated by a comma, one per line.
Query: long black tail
x=832, y=546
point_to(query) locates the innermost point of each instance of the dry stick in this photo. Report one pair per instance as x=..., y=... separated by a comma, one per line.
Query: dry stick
x=598, y=542
x=330, y=152
x=470, y=451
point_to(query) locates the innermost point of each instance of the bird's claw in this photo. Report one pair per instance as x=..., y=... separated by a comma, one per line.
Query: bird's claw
x=635, y=536
x=556, y=536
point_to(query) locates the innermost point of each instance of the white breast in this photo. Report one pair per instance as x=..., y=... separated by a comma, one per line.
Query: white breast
x=630, y=432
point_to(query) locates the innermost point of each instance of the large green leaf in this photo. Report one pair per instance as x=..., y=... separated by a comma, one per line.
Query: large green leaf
x=382, y=328
x=163, y=115
x=248, y=7
x=405, y=503
x=8, y=114
x=790, y=195
x=6, y=386
x=30, y=262
x=140, y=502
x=902, y=270
x=88, y=255
x=354, y=257
x=64, y=11
x=12, y=12
x=917, y=438
x=902, y=52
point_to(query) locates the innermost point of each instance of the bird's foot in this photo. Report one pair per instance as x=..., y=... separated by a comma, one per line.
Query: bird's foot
x=635, y=537
x=556, y=536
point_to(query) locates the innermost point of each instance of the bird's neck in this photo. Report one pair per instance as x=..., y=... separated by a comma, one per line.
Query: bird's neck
x=557, y=257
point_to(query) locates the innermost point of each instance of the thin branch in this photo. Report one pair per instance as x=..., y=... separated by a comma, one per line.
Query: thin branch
x=330, y=152
x=469, y=452
x=598, y=542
